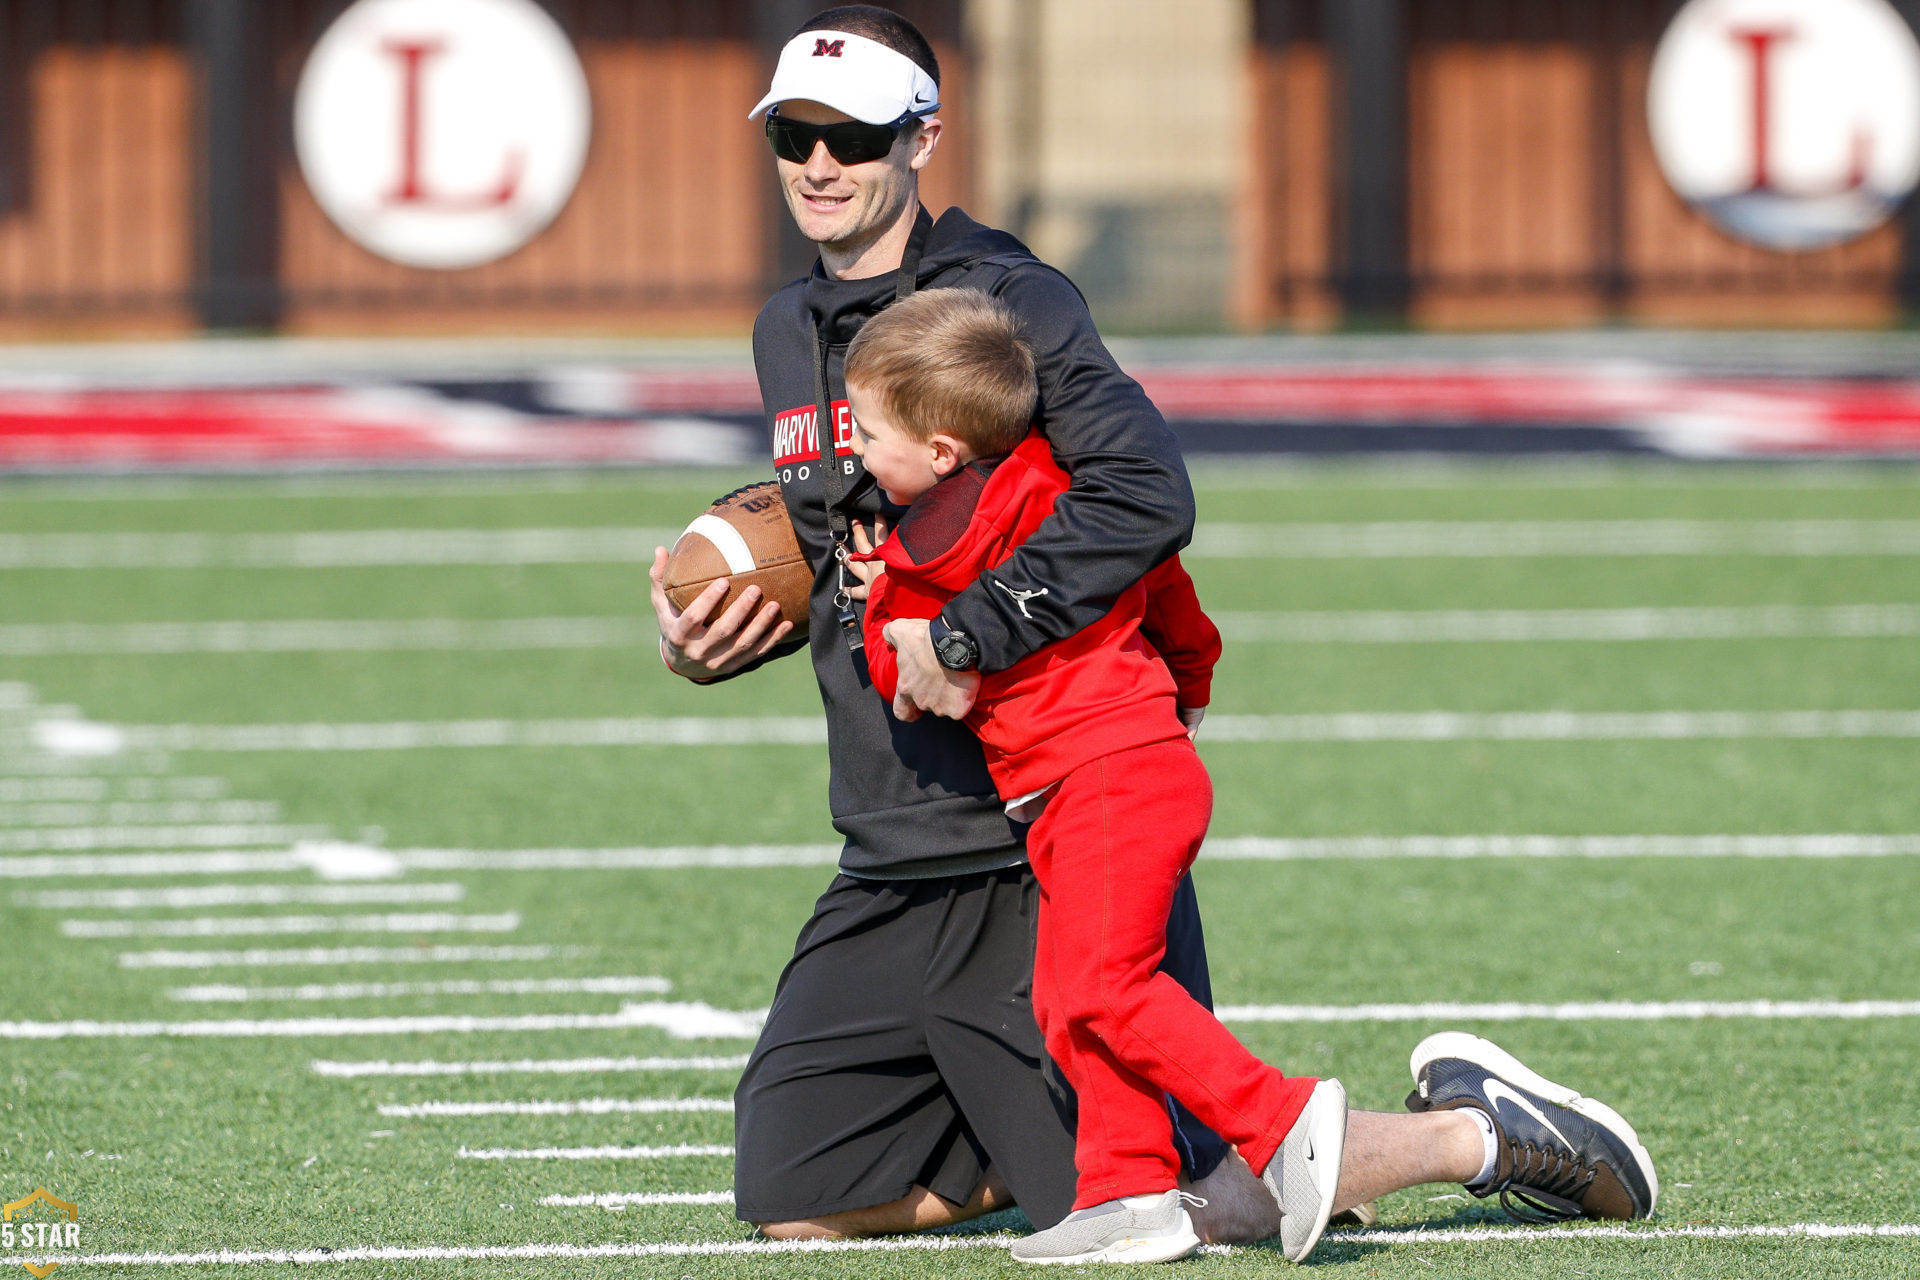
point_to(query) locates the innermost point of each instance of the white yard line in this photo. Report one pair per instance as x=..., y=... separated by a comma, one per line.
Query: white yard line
x=1302, y=849
x=119, y=813
x=1562, y=726
x=110, y=866
x=240, y=895
x=155, y=487
x=133, y=789
x=579, y=1107
x=625, y=1199
x=1219, y=849
x=409, y=735
x=1391, y=472
x=664, y=858
x=1852, y=621
x=356, y=548
x=1457, y=539
x=328, y=956
x=593, y=1153
x=53, y=790
x=1525, y=1235
x=240, y=926
x=23, y=762
x=1222, y=848
x=684, y=731
x=942, y=1244
x=701, y=1021
x=682, y=1020
x=622, y=545
x=321, y=636
x=623, y=986
x=1593, y=1011
x=525, y=1066
x=198, y=836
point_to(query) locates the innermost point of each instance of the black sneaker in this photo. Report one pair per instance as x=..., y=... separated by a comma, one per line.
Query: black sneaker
x=1561, y=1155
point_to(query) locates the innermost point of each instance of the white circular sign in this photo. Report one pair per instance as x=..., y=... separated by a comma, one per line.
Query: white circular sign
x=442, y=133
x=1794, y=124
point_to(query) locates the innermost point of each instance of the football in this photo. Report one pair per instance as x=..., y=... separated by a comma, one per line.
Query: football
x=744, y=537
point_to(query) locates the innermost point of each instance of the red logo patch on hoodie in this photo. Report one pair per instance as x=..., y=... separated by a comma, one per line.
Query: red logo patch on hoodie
x=796, y=440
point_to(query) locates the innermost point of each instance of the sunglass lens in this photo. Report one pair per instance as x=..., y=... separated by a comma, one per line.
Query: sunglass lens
x=791, y=140
x=850, y=142
x=859, y=143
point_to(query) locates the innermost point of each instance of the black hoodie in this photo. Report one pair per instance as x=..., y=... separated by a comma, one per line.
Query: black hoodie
x=913, y=799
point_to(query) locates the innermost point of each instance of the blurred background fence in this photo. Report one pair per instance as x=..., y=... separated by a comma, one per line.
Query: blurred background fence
x=1476, y=162
x=1194, y=164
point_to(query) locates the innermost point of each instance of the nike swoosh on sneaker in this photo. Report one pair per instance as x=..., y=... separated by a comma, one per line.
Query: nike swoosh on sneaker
x=1496, y=1089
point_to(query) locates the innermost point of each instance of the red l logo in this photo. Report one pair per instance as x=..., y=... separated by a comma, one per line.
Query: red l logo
x=1761, y=45
x=412, y=187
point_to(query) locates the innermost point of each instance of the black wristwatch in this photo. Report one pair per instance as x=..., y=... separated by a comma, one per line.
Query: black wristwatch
x=956, y=650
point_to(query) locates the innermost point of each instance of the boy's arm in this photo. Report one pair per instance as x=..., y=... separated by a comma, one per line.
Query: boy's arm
x=1180, y=630
x=883, y=665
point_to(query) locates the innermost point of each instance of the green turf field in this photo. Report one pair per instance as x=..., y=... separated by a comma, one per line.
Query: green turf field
x=1641, y=968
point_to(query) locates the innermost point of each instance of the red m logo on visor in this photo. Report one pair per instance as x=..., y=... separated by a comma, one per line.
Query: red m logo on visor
x=828, y=48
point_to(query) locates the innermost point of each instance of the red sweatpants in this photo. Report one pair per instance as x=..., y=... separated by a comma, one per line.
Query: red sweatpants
x=1108, y=850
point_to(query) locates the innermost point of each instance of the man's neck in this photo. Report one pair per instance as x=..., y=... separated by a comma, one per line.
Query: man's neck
x=876, y=257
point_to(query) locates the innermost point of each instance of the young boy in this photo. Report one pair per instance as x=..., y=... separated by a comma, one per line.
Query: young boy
x=1090, y=739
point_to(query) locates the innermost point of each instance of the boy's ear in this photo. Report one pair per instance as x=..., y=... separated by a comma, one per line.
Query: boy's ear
x=948, y=455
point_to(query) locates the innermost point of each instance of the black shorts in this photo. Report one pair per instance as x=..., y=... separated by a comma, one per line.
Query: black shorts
x=901, y=1050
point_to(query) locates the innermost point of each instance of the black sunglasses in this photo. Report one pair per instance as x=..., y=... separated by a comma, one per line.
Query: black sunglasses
x=849, y=142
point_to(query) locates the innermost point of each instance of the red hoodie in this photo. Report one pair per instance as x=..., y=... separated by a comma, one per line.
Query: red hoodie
x=1111, y=686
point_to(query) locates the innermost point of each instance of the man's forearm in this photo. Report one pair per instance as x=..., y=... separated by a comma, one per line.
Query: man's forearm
x=1121, y=519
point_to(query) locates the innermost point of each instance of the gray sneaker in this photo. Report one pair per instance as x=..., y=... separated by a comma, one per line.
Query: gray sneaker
x=1305, y=1173
x=1111, y=1232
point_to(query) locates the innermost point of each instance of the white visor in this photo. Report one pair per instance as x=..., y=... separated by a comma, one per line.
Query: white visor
x=853, y=74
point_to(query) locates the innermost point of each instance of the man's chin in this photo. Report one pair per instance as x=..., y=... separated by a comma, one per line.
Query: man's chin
x=825, y=228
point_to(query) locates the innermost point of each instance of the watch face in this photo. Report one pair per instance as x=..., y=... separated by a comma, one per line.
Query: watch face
x=954, y=652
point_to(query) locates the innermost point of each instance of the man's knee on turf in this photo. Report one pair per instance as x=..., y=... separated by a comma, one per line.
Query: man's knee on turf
x=806, y=1229
x=918, y=1210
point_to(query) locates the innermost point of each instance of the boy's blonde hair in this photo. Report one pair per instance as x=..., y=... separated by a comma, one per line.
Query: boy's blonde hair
x=949, y=362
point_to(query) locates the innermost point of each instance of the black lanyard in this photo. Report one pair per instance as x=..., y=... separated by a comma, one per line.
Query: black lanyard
x=832, y=478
